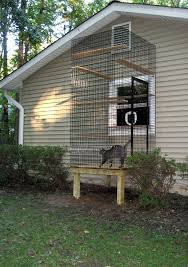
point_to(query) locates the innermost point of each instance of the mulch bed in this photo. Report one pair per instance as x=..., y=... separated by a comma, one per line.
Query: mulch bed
x=100, y=202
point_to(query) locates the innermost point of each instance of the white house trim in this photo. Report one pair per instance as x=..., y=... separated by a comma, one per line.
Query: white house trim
x=154, y=11
x=21, y=116
x=96, y=22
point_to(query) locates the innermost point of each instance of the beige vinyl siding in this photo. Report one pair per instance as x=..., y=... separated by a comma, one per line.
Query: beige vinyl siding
x=47, y=121
x=171, y=40
x=47, y=101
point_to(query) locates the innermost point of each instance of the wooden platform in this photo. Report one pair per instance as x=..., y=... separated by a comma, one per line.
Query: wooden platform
x=108, y=172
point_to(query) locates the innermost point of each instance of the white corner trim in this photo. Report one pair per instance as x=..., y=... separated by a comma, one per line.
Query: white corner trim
x=21, y=116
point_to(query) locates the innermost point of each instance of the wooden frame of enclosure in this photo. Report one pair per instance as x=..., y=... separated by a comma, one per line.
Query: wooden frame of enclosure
x=123, y=62
x=120, y=173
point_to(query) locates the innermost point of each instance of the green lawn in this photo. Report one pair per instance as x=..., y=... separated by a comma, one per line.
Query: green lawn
x=34, y=234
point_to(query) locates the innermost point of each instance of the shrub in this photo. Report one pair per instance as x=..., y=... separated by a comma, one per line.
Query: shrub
x=182, y=168
x=8, y=163
x=38, y=165
x=50, y=164
x=152, y=174
x=148, y=200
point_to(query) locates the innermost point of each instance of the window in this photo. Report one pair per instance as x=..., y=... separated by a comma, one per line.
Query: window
x=141, y=113
x=121, y=35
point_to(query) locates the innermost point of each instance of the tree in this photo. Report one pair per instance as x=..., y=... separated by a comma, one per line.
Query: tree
x=149, y=2
x=171, y=3
x=31, y=22
x=74, y=12
x=4, y=26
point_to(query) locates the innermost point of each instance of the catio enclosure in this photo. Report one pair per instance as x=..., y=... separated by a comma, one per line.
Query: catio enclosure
x=113, y=95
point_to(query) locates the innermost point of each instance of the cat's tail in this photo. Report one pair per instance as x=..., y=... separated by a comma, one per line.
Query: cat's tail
x=125, y=146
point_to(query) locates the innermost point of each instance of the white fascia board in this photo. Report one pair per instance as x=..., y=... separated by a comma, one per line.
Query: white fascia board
x=177, y=13
x=14, y=80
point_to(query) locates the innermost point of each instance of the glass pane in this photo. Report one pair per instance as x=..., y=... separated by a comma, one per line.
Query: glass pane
x=140, y=91
x=124, y=93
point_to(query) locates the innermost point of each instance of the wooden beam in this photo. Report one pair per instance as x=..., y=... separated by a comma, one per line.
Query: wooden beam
x=98, y=170
x=97, y=51
x=76, y=185
x=135, y=66
x=96, y=73
x=110, y=100
x=120, y=189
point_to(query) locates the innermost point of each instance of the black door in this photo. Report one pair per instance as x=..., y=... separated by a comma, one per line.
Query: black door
x=139, y=113
x=133, y=110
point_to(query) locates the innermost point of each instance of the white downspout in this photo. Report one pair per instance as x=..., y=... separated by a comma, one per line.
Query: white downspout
x=21, y=116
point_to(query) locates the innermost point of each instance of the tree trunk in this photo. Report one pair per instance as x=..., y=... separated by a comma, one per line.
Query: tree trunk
x=175, y=3
x=21, y=35
x=5, y=127
x=20, y=51
x=4, y=41
x=41, y=7
x=26, y=51
x=5, y=65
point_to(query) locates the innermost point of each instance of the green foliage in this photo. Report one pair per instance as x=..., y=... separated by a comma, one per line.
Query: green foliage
x=152, y=174
x=32, y=23
x=41, y=166
x=148, y=2
x=182, y=168
x=171, y=3
x=75, y=12
x=33, y=233
x=148, y=201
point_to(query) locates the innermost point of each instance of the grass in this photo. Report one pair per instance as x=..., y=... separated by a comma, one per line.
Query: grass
x=34, y=234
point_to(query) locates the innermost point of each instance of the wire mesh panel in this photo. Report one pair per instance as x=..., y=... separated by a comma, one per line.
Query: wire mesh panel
x=113, y=99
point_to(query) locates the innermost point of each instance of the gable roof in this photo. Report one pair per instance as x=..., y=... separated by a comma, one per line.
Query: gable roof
x=114, y=10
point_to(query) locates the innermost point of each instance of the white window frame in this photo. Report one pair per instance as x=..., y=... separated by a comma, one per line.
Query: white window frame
x=113, y=28
x=113, y=129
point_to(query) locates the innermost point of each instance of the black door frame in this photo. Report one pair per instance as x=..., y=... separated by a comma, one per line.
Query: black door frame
x=134, y=79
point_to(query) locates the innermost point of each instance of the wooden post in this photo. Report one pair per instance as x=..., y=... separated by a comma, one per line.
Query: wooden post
x=76, y=185
x=120, y=188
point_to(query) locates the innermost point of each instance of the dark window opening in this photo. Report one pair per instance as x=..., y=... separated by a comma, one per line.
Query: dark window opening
x=124, y=94
x=135, y=104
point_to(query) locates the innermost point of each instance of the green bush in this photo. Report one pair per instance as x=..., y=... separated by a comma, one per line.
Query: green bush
x=41, y=166
x=149, y=201
x=153, y=175
x=182, y=168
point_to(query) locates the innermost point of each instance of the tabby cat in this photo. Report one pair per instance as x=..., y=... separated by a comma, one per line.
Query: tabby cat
x=116, y=151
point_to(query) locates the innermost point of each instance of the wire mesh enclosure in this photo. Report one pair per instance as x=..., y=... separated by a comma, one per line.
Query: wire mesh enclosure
x=113, y=98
